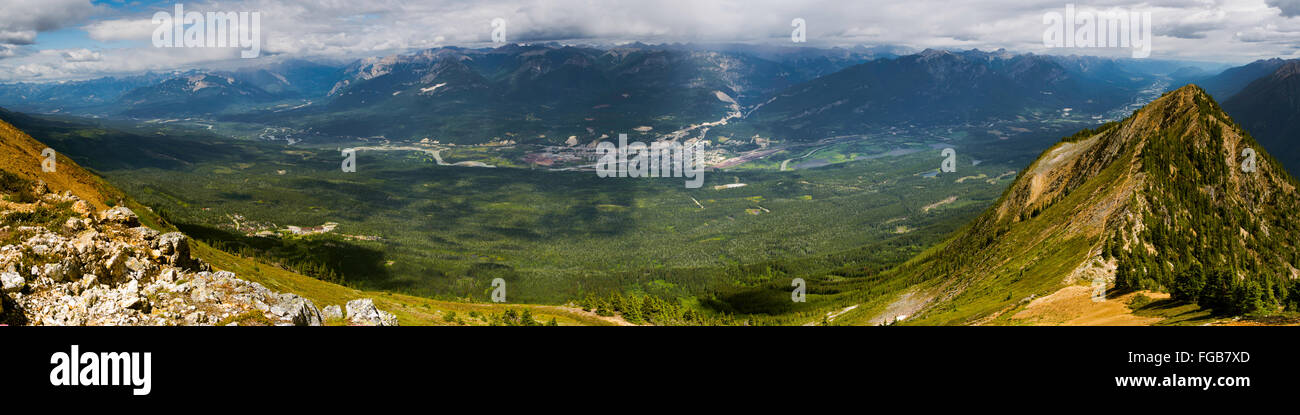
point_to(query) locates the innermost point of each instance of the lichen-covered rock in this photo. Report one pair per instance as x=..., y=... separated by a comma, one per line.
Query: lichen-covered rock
x=115, y=267
x=12, y=282
x=83, y=208
x=121, y=215
x=56, y=272
x=175, y=249
x=332, y=313
x=297, y=309
x=363, y=312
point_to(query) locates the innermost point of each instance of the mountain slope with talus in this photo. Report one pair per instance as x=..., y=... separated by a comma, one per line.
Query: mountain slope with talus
x=1159, y=201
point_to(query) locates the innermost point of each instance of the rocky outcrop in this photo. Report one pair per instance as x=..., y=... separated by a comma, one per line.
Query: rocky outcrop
x=363, y=312
x=11, y=282
x=332, y=313
x=122, y=216
x=108, y=270
x=298, y=310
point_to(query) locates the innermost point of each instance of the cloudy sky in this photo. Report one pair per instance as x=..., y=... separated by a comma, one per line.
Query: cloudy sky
x=70, y=39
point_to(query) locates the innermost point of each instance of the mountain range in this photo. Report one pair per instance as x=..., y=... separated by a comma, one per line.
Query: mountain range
x=1224, y=85
x=943, y=87
x=548, y=92
x=476, y=95
x=1269, y=108
x=206, y=93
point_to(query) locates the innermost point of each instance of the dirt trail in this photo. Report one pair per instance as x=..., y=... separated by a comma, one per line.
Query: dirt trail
x=616, y=319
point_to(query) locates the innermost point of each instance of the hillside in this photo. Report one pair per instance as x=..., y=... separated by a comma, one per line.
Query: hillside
x=22, y=157
x=1269, y=108
x=1156, y=202
x=33, y=213
x=1231, y=81
x=943, y=87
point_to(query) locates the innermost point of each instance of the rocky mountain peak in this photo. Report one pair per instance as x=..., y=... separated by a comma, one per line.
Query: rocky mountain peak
x=1176, y=197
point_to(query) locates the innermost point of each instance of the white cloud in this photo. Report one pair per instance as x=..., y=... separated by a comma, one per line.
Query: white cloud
x=27, y=17
x=8, y=51
x=1227, y=30
x=82, y=55
x=1289, y=8
x=56, y=65
x=17, y=37
x=120, y=29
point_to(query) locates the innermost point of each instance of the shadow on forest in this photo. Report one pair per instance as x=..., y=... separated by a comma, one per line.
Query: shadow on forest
x=319, y=256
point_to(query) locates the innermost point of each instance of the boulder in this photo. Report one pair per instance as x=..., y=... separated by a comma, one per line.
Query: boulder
x=363, y=312
x=121, y=215
x=332, y=312
x=175, y=249
x=137, y=265
x=85, y=242
x=116, y=266
x=56, y=272
x=299, y=310
x=11, y=282
x=82, y=208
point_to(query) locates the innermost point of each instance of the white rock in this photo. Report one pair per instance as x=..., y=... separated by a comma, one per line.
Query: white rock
x=11, y=282
x=121, y=215
x=298, y=310
x=363, y=311
x=332, y=312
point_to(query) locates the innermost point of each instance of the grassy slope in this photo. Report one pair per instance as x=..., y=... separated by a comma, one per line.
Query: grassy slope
x=1039, y=246
x=409, y=310
x=22, y=156
x=1030, y=260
